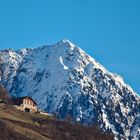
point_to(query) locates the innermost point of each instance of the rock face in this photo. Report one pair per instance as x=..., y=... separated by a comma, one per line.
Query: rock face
x=64, y=80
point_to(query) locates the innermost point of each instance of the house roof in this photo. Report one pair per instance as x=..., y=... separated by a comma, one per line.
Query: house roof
x=19, y=100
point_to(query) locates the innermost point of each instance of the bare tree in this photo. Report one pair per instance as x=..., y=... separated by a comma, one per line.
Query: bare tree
x=4, y=94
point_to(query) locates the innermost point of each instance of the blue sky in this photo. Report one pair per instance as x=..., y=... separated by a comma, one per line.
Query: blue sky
x=108, y=30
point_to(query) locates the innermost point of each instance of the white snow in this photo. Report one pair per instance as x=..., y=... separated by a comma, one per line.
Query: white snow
x=61, y=61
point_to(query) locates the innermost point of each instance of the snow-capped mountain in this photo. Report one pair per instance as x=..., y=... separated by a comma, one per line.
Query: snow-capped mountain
x=64, y=80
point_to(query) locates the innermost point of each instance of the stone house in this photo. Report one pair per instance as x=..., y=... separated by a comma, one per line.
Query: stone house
x=25, y=104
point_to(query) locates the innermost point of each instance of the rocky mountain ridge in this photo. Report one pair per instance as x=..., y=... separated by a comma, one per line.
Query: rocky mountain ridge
x=64, y=80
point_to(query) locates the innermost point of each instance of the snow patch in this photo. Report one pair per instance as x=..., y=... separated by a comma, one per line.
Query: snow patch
x=61, y=61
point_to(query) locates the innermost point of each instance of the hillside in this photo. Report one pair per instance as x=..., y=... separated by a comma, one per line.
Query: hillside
x=65, y=80
x=17, y=125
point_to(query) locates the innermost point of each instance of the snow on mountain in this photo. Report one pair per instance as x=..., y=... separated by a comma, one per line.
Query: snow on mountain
x=64, y=80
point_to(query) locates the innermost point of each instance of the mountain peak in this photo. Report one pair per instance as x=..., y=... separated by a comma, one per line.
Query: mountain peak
x=65, y=42
x=65, y=80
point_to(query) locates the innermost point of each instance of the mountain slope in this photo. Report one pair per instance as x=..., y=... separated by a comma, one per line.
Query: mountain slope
x=18, y=125
x=66, y=81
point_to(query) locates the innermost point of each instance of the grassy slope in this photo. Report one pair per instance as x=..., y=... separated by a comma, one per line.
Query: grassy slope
x=17, y=125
